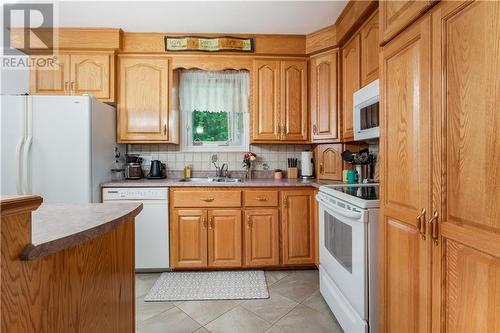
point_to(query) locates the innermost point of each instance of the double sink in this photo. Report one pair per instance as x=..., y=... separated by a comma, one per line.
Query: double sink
x=211, y=180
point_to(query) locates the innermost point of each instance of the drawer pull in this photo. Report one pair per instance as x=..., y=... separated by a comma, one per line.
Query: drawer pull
x=262, y=199
x=208, y=199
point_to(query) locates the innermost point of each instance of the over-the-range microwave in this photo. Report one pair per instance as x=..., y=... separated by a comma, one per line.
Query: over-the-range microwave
x=366, y=119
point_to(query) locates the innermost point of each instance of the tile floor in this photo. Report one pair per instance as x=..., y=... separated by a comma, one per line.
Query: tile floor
x=295, y=305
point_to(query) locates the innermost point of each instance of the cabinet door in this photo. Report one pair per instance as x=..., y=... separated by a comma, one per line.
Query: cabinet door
x=329, y=161
x=55, y=81
x=297, y=227
x=351, y=58
x=466, y=186
x=266, y=90
x=369, y=50
x=188, y=236
x=143, y=105
x=224, y=238
x=324, y=97
x=92, y=74
x=262, y=237
x=294, y=120
x=404, y=142
x=396, y=15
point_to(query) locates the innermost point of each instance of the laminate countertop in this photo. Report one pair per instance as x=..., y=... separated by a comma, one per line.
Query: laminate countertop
x=55, y=227
x=172, y=182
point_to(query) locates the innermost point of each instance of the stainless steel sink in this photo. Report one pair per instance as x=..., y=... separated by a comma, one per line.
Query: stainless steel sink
x=211, y=180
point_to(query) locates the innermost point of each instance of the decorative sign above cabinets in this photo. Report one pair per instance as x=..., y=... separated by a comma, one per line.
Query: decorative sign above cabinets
x=209, y=44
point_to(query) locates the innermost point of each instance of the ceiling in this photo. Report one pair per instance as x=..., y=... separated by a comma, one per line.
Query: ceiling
x=271, y=17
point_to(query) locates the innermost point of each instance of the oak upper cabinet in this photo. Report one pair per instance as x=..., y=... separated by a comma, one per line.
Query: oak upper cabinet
x=297, y=227
x=294, y=118
x=405, y=190
x=93, y=74
x=369, y=50
x=53, y=81
x=77, y=73
x=325, y=117
x=351, y=82
x=262, y=237
x=224, y=238
x=329, y=161
x=396, y=15
x=188, y=238
x=143, y=106
x=266, y=100
x=279, y=101
x=466, y=195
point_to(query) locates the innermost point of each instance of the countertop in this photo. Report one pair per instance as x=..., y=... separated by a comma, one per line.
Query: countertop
x=172, y=182
x=55, y=227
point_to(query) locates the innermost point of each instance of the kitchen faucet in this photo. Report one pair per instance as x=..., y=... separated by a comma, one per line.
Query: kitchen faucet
x=219, y=171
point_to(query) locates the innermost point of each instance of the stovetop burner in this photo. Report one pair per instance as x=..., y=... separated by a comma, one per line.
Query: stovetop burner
x=366, y=192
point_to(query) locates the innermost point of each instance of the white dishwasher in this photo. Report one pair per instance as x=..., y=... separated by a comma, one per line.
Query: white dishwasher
x=151, y=225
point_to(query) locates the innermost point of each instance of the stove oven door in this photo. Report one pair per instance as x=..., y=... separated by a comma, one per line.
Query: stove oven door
x=343, y=250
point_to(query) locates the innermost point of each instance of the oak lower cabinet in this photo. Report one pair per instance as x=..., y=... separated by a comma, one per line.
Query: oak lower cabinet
x=325, y=115
x=297, y=227
x=271, y=227
x=262, y=237
x=440, y=226
x=143, y=108
x=77, y=73
x=280, y=110
x=224, y=238
x=188, y=238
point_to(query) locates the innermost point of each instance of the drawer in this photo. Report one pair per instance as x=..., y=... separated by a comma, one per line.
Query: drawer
x=261, y=198
x=206, y=198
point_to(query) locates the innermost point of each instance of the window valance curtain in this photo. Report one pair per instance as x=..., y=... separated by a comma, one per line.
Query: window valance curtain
x=223, y=91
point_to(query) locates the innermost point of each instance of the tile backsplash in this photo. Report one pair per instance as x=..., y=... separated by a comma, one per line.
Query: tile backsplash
x=268, y=156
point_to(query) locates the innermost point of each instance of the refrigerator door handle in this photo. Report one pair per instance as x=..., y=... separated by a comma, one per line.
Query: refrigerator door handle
x=19, y=148
x=27, y=148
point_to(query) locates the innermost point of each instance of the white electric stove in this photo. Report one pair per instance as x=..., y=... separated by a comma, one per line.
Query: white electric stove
x=348, y=236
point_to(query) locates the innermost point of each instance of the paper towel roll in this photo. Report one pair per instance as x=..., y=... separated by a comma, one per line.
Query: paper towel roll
x=306, y=163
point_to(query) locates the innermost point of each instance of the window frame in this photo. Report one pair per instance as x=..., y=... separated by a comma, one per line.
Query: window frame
x=187, y=142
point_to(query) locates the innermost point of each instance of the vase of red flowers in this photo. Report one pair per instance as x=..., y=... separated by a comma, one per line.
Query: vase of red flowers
x=248, y=158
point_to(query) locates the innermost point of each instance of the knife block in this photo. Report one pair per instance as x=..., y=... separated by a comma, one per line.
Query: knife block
x=293, y=173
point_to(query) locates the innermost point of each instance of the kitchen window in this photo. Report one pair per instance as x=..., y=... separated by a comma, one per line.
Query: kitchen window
x=214, y=110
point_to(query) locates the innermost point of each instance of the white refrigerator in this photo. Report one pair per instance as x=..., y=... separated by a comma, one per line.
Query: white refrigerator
x=58, y=147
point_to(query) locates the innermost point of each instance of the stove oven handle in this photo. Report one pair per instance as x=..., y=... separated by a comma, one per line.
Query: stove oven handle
x=340, y=210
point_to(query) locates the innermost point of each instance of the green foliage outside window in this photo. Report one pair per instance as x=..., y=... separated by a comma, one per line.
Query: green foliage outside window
x=210, y=126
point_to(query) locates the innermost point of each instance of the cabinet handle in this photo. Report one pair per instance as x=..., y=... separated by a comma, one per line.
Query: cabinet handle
x=66, y=87
x=211, y=223
x=204, y=220
x=249, y=222
x=285, y=202
x=321, y=168
x=434, y=227
x=315, y=129
x=73, y=87
x=164, y=129
x=207, y=199
x=262, y=199
x=421, y=226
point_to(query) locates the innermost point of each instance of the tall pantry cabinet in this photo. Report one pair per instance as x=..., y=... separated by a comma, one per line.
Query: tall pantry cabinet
x=440, y=217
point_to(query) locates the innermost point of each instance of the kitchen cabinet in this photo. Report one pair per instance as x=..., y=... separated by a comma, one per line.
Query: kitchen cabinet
x=188, y=238
x=262, y=237
x=77, y=73
x=397, y=15
x=351, y=82
x=405, y=188
x=325, y=116
x=279, y=101
x=329, y=161
x=224, y=238
x=369, y=50
x=143, y=106
x=297, y=227
x=465, y=214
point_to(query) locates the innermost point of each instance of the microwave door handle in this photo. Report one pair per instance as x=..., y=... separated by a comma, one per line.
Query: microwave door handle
x=341, y=211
